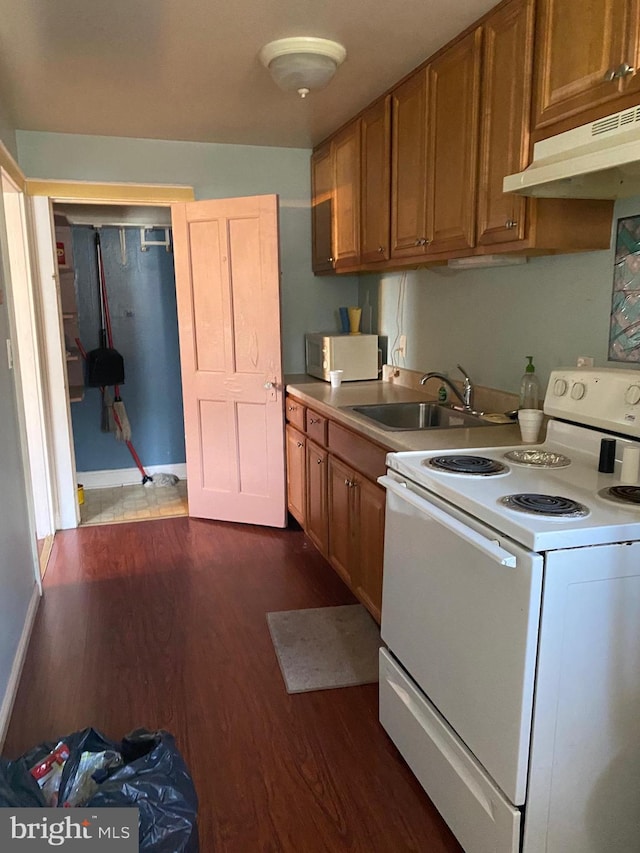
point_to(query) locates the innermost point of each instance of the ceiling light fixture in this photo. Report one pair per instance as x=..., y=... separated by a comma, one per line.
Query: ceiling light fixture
x=303, y=63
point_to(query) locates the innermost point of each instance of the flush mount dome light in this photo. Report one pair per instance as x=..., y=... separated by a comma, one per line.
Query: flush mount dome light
x=301, y=64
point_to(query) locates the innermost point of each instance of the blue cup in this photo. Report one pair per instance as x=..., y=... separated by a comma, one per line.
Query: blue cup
x=344, y=320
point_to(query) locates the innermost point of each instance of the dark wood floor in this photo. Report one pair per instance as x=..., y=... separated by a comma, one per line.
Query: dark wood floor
x=162, y=624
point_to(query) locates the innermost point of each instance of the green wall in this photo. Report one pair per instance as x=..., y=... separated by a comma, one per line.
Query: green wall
x=488, y=320
x=215, y=171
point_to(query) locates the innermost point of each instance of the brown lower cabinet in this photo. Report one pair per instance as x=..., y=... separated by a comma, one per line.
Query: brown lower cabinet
x=343, y=505
x=296, y=473
x=316, y=526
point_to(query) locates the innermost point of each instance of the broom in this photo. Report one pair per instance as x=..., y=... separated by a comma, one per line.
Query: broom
x=122, y=425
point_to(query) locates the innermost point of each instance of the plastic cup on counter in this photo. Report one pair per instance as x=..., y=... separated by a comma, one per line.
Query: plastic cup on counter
x=630, y=470
x=530, y=421
x=335, y=377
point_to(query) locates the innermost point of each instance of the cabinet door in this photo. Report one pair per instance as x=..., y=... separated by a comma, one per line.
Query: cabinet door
x=630, y=76
x=580, y=46
x=504, y=124
x=346, y=212
x=295, y=412
x=316, y=504
x=452, y=150
x=296, y=474
x=367, y=580
x=375, y=183
x=409, y=167
x=341, y=493
x=322, y=209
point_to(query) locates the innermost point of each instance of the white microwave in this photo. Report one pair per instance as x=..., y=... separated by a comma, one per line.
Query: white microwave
x=356, y=355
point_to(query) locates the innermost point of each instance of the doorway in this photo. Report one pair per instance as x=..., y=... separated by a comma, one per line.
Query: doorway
x=132, y=245
x=240, y=419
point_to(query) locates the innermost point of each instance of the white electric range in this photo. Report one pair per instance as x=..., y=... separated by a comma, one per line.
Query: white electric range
x=511, y=612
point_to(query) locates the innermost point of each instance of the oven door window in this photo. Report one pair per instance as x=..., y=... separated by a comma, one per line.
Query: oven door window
x=460, y=612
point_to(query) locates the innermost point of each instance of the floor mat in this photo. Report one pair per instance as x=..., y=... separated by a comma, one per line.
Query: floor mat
x=325, y=647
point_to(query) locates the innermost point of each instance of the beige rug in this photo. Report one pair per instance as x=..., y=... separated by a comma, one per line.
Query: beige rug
x=325, y=647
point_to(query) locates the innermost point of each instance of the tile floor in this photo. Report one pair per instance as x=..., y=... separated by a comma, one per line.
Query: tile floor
x=133, y=503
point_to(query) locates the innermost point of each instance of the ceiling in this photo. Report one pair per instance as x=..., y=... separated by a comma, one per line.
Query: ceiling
x=189, y=69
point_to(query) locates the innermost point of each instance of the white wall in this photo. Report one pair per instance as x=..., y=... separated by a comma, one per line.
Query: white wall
x=554, y=308
x=215, y=171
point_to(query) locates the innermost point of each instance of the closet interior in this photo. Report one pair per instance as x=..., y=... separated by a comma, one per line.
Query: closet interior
x=117, y=287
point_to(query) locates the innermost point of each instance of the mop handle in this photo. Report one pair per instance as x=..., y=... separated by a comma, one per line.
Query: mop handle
x=105, y=302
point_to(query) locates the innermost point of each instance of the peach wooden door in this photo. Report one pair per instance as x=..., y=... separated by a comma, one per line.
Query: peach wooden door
x=227, y=285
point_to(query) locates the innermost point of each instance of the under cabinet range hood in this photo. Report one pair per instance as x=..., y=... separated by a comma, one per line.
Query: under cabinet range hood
x=597, y=160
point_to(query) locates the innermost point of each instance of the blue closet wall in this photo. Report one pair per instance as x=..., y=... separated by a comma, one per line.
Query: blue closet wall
x=142, y=301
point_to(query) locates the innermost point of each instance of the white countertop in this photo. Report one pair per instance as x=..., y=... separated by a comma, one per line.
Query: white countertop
x=330, y=402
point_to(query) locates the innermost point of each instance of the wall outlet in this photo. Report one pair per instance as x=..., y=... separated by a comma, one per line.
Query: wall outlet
x=584, y=361
x=402, y=346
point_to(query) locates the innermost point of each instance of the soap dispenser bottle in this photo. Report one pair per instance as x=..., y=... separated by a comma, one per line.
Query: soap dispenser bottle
x=529, y=387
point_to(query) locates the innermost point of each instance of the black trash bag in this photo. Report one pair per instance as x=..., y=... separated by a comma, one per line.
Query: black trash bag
x=153, y=778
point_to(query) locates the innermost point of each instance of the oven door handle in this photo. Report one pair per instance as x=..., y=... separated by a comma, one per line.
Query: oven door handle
x=490, y=547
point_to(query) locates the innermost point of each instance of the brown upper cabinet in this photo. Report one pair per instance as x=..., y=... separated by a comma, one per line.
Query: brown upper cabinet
x=435, y=150
x=322, y=259
x=409, y=167
x=587, y=63
x=346, y=215
x=504, y=124
x=452, y=146
x=335, y=176
x=375, y=185
x=459, y=124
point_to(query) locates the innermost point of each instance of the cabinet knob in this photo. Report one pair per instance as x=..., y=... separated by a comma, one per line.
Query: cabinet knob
x=511, y=223
x=347, y=482
x=319, y=461
x=291, y=408
x=624, y=70
x=268, y=385
x=330, y=260
x=609, y=75
x=314, y=421
x=299, y=443
x=381, y=249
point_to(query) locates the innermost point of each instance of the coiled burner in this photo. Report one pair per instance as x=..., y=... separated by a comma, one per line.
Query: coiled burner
x=476, y=465
x=551, y=505
x=622, y=494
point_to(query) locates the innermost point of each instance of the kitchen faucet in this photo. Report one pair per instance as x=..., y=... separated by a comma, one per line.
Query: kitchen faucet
x=466, y=397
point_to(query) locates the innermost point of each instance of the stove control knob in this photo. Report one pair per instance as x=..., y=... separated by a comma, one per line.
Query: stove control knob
x=560, y=387
x=578, y=390
x=633, y=395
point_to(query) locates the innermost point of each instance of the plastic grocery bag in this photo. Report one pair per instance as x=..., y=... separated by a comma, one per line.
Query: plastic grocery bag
x=145, y=770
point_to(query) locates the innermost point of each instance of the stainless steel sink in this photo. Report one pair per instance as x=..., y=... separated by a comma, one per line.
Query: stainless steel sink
x=408, y=416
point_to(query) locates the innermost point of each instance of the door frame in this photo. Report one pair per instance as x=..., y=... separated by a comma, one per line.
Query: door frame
x=12, y=176
x=42, y=196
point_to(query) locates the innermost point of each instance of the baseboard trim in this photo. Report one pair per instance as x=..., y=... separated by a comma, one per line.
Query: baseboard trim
x=18, y=662
x=127, y=476
x=45, y=553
